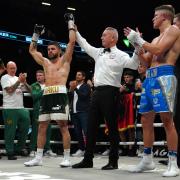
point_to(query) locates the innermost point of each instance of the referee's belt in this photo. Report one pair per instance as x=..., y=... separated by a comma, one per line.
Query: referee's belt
x=54, y=89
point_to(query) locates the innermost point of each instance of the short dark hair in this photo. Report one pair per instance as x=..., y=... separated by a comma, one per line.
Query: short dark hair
x=83, y=73
x=55, y=43
x=169, y=9
x=128, y=72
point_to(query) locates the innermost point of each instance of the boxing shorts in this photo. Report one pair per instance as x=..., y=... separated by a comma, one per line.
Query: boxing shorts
x=159, y=90
x=54, y=104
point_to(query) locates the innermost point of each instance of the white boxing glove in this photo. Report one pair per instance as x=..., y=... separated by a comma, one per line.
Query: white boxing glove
x=135, y=39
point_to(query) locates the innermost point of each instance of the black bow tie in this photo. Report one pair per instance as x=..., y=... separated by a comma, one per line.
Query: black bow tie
x=106, y=50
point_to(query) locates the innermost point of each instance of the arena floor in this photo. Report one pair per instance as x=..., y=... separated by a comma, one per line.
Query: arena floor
x=15, y=170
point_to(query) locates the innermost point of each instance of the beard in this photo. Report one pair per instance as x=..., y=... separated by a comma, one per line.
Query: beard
x=53, y=57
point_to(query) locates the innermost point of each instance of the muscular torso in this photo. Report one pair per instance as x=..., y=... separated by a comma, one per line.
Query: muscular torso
x=56, y=73
x=170, y=56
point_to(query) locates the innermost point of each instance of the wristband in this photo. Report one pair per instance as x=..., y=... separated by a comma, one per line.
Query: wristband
x=70, y=24
x=35, y=37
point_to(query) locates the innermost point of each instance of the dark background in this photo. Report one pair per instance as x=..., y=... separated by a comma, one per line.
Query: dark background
x=91, y=17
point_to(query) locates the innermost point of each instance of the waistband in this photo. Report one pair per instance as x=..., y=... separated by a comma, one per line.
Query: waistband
x=105, y=87
x=160, y=71
x=55, y=89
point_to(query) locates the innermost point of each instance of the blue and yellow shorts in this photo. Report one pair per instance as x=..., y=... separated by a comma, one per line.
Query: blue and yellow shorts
x=159, y=89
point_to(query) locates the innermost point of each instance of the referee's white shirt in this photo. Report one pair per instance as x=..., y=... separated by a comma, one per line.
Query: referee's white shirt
x=109, y=65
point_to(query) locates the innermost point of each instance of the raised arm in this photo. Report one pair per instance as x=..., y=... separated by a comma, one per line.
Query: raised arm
x=67, y=57
x=38, y=30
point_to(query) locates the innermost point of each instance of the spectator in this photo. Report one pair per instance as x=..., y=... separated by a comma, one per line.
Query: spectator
x=126, y=118
x=2, y=67
x=80, y=97
x=14, y=114
x=36, y=90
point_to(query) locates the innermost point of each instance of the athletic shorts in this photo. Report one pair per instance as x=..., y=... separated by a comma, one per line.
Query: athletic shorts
x=54, y=104
x=158, y=90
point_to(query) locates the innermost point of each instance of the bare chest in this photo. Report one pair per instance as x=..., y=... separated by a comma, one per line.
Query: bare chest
x=160, y=58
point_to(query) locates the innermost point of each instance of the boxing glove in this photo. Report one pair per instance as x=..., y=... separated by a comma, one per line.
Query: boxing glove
x=38, y=30
x=69, y=18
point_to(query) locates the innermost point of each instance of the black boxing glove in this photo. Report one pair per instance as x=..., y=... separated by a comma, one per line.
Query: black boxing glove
x=69, y=18
x=38, y=30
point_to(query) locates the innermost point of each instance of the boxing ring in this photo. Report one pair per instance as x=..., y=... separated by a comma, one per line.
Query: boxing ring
x=15, y=170
x=98, y=143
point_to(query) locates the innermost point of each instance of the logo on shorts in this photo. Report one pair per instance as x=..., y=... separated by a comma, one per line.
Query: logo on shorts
x=154, y=72
x=51, y=90
x=155, y=91
x=57, y=107
x=155, y=100
x=143, y=90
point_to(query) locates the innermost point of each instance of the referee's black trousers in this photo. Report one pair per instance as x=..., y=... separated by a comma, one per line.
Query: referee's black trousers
x=103, y=106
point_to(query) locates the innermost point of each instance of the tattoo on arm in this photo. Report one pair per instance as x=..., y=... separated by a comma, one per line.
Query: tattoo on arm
x=12, y=88
x=28, y=87
x=17, y=83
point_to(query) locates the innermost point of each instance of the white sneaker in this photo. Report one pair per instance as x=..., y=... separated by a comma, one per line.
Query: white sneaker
x=49, y=153
x=140, y=151
x=146, y=164
x=32, y=154
x=34, y=162
x=106, y=152
x=78, y=153
x=172, y=169
x=65, y=163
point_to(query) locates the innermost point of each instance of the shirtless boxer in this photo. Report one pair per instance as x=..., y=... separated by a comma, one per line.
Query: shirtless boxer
x=158, y=92
x=54, y=103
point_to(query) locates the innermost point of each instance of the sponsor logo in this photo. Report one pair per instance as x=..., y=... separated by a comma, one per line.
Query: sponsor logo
x=155, y=100
x=58, y=107
x=160, y=153
x=51, y=90
x=155, y=92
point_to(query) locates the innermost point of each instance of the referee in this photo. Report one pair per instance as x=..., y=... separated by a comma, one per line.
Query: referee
x=109, y=65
